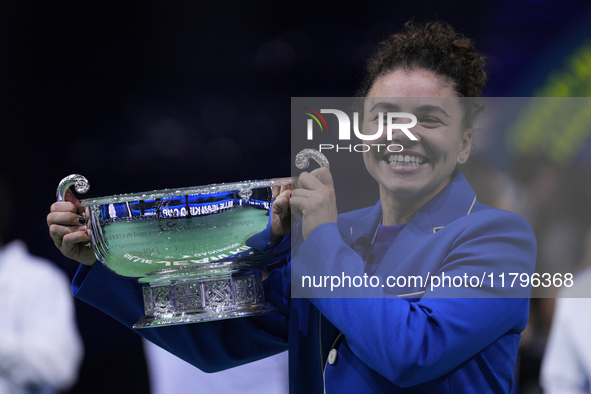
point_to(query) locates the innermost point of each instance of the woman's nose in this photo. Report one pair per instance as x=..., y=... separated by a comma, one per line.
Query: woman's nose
x=401, y=123
x=399, y=129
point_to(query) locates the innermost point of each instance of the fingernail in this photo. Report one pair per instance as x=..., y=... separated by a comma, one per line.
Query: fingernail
x=81, y=220
x=82, y=228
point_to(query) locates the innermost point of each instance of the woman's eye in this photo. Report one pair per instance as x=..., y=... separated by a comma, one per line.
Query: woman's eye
x=385, y=120
x=429, y=120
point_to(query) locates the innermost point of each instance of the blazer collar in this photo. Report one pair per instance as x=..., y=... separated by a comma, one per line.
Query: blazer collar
x=453, y=202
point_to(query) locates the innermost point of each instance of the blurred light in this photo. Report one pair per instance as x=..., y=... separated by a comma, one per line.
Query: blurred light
x=558, y=128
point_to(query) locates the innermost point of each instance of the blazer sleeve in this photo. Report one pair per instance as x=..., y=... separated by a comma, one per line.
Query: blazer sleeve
x=411, y=342
x=210, y=346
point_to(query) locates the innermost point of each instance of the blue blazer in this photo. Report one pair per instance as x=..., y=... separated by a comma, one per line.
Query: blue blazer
x=418, y=339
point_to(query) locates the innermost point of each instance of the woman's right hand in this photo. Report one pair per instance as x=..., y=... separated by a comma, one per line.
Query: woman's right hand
x=68, y=230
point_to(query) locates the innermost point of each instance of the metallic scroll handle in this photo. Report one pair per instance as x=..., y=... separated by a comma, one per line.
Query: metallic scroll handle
x=302, y=160
x=80, y=182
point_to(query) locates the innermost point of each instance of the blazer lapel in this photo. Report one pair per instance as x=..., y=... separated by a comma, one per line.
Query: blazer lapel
x=360, y=233
x=455, y=201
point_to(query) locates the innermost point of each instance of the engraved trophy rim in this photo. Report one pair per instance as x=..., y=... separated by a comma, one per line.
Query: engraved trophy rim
x=191, y=190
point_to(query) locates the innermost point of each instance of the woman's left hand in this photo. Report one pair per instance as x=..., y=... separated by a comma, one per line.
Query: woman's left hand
x=281, y=219
x=314, y=201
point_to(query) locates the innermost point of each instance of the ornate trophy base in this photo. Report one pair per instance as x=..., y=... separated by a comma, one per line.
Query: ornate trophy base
x=172, y=298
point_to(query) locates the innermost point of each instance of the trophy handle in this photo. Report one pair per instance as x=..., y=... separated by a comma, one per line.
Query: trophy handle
x=80, y=182
x=302, y=159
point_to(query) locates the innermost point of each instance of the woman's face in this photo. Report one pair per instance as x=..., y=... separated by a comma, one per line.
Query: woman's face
x=423, y=167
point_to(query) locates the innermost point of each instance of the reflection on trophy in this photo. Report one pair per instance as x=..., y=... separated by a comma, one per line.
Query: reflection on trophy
x=189, y=247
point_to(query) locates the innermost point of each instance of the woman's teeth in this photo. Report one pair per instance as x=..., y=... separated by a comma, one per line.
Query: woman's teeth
x=405, y=160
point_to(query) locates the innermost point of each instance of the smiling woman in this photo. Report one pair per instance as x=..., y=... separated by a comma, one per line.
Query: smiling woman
x=425, y=166
x=428, y=223
x=409, y=336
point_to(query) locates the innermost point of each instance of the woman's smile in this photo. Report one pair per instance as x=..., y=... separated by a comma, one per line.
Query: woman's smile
x=405, y=162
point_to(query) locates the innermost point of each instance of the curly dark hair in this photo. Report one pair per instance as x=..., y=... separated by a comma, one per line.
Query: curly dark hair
x=433, y=46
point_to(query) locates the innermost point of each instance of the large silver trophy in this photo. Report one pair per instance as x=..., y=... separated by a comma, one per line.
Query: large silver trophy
x=188, y=247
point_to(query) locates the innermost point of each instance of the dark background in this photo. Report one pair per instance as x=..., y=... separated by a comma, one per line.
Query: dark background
x=142, y=96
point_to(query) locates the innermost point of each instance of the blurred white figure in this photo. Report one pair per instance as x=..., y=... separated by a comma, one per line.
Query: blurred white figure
x=40, y=347
x=169, y=374
x=566, y=367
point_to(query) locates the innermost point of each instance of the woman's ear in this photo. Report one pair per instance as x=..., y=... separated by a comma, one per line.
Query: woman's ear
x=465, y=147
